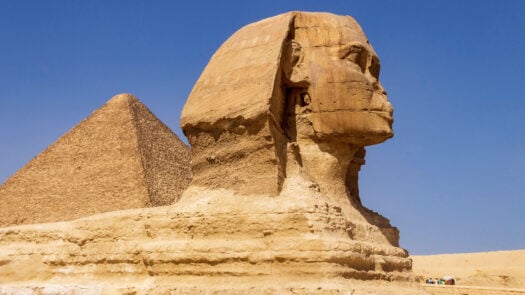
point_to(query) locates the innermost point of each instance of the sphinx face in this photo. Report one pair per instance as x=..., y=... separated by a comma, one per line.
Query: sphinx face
x=347, y=101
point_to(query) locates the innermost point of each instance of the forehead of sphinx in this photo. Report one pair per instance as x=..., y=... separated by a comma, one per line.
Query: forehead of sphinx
x=240, y=78
x=325, y=30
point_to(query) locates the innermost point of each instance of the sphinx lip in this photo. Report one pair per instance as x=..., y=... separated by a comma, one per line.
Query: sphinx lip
x=384, y=114
x=380, y=112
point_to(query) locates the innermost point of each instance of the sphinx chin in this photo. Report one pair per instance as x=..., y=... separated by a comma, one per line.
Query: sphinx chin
x=360, y=128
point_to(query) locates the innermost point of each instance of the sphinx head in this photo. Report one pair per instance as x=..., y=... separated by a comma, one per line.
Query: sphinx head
x=343, y=100
x=295, y=80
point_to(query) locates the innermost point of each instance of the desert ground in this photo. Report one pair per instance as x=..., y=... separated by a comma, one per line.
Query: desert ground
x=503, y=269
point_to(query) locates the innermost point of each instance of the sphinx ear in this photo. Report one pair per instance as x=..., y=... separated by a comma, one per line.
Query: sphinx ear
x=295, y=71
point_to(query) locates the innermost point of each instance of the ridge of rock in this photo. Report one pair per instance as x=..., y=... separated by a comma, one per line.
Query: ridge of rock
x=119, y=157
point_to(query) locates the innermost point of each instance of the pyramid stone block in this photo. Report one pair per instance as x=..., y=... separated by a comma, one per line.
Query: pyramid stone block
x=120, y=157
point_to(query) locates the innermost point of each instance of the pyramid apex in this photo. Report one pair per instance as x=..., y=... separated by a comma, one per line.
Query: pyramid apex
x=122, y=98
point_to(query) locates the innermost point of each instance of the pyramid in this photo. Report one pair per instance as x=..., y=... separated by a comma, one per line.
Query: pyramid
x=120, y=157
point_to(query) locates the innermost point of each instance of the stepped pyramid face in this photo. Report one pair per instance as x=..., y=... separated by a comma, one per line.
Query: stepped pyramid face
x=120, y=157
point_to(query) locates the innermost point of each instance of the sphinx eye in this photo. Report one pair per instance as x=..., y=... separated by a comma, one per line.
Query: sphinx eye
x=374, y=67
x=356, y=54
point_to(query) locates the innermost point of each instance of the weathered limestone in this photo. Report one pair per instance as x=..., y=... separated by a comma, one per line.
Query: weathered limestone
x=291, y=82
x=120, y=157
x=292, y=101
x=278, y=124
x=214, y=243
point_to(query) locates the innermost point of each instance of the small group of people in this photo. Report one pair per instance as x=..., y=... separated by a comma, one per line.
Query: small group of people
x=442, y=281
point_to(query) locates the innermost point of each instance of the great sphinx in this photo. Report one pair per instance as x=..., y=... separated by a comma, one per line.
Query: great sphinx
x=278, y=123
x=290, y=101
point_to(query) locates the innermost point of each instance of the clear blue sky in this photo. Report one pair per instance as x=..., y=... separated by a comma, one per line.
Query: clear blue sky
x=453, y=177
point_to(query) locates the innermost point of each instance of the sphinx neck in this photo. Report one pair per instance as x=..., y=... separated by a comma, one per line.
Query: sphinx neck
x=331, y=168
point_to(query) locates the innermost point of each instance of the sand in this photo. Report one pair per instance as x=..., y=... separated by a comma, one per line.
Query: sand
x=505, y=269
